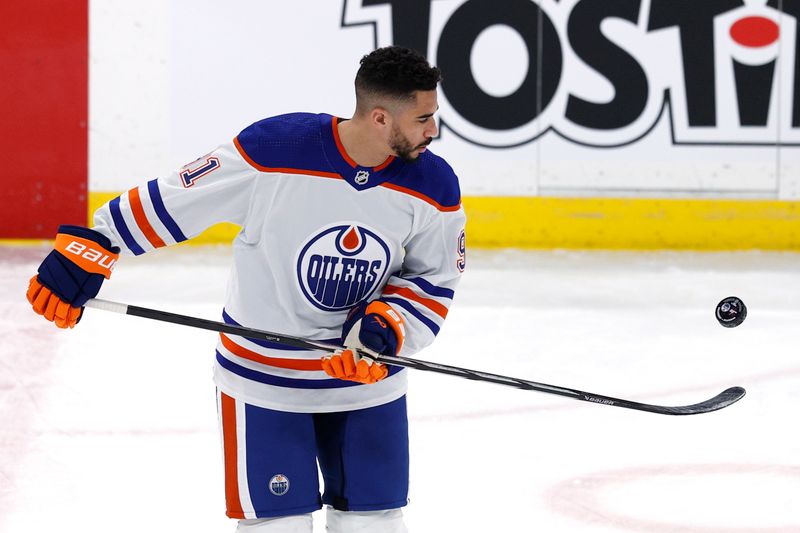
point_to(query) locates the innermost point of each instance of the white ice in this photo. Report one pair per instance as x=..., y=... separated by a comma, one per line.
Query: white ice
x=112, y=426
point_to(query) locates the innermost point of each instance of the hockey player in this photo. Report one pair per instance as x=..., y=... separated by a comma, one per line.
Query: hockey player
x=352, y=232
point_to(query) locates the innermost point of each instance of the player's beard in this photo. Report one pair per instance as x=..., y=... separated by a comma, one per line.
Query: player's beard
x=400, y=144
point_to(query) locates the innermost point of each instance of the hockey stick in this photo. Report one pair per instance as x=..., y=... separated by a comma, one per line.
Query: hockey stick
x=719, y=401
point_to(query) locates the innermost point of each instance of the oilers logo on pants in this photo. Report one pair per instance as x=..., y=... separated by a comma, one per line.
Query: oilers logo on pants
x=279, y=485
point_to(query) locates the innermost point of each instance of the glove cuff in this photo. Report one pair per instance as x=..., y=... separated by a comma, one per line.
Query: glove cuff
x=393, y=319
x=90, y=234
x=90, y=250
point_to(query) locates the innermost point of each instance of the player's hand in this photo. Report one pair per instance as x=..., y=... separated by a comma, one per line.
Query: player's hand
x=371, y=328
x=71, y=274
x=351, y=366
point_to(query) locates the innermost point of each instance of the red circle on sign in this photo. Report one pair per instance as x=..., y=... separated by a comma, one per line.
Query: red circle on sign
x=755, y=32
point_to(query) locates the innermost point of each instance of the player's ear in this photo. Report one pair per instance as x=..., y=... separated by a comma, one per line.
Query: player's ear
x=380, y=116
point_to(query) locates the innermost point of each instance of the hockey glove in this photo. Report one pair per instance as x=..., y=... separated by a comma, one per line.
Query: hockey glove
x=373, y=328
x=71, y=274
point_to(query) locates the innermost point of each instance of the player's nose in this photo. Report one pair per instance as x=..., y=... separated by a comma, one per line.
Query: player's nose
x=433, y=130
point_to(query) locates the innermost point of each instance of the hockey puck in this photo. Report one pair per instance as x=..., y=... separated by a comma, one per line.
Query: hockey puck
x=731, y=312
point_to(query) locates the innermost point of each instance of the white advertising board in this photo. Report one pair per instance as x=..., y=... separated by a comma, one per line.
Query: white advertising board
x=631, y=98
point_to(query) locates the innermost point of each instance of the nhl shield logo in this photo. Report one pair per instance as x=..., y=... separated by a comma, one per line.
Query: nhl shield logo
x=279, y=485
x=362, y=177
x=342, y=265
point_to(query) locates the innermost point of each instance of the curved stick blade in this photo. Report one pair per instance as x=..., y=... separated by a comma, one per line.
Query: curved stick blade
x=720, y=401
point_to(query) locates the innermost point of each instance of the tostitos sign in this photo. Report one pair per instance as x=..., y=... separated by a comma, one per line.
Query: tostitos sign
x=603, y=73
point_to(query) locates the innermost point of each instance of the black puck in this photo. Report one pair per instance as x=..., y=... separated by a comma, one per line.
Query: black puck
x=731, y=312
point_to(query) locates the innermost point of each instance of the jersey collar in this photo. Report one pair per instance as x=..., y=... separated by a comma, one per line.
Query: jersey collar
x=357, y=176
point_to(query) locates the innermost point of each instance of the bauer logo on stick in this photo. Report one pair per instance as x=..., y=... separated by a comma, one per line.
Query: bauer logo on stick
x=341, y=265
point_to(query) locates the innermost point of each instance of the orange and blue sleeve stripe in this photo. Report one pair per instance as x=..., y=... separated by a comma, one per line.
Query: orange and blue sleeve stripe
x=163, y=214
x=142, y=221
x=422, y=300
x=430, y=324
x=122, y=227
x=433, y=290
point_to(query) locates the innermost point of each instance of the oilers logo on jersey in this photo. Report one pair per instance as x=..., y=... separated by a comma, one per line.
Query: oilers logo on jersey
x=342, y=265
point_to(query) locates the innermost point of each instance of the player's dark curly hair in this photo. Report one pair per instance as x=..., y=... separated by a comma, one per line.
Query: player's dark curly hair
x=396, y=72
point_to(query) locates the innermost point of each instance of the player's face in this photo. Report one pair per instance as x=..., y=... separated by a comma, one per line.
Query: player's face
x=413, y=127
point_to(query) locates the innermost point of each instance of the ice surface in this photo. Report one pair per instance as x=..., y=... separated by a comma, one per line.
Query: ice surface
x=112, y=426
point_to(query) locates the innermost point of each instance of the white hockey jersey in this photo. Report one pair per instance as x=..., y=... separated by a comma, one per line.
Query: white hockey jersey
x=319, y=234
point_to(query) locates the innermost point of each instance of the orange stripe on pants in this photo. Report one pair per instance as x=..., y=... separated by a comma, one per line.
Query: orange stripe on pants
x=232, y=501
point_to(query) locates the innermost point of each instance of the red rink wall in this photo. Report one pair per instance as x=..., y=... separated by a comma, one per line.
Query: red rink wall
x=44, y=125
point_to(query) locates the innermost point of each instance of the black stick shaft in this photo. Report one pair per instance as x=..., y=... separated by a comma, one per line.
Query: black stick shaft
x=720, y=401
